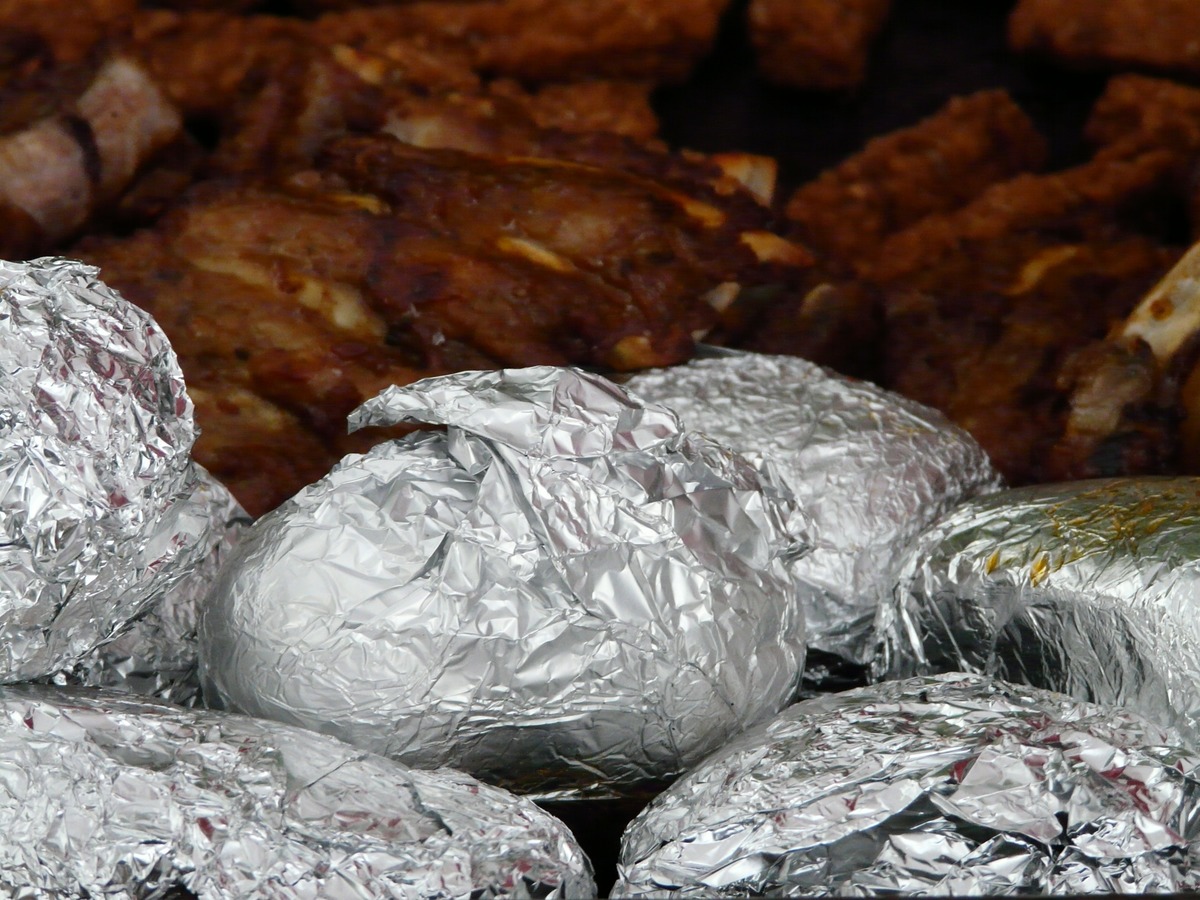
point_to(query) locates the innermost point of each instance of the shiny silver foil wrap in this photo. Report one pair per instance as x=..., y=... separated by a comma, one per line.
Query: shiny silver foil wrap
x=936, y=785
x=563, y=592
x=157, y=654
x=871, y=468
x=1091, y=588
x=103, y=515
x=106, y=795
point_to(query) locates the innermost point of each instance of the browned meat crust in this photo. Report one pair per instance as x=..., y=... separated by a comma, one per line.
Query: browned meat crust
x=817, y=44
x=290, y=303
x=616, y=107
x=987, y=335
x=208, y=61
x=1147, y=34
x=995, y=314
x=547, y=40
x=932, y=167
x=68, y=29
x=230, y=6
x=1142, y=113
x=1092, y=194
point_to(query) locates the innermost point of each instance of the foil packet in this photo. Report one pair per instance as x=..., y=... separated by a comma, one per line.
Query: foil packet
x=103, y=514
x=158, y=653
x=872, y=469
x=103, y=794
x=1091, y=588
x=563, y=592
x=951, y=785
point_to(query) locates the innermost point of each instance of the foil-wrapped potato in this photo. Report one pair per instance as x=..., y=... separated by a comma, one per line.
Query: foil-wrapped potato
x=956, y=784
x=157, y=654
x=564, y=592
x=871, y=468
x=1091, y=588
x=103, y=794
x=104, y=517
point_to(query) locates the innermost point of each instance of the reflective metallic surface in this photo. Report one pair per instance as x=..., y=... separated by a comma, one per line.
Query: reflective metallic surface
x=105, y=795
x=949, y=785
x=873, y=469
x=1091, y=588
x=102, y=513
x=563, y=592
x=157, y=654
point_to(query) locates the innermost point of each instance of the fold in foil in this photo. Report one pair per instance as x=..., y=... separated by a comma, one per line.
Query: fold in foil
x=871, y=468
x=563, y=593
x=940, y=785
x=157, y=654
x=1091, y=588
x=103, y=794
x=102, y=511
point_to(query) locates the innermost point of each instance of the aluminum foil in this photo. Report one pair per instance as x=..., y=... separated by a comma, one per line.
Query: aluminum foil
x=105, y=795
x=563, y=592
x=157, y=654
x=873, y=470
x=101, y=508
x=1090, y=588
x=936, y=785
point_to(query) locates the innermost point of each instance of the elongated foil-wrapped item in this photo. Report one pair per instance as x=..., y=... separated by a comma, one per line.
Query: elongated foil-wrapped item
x=1091, y=588
x=563, y=593
x=102, y=512
x=939, y=785
x=105, y=795
x=873, y=470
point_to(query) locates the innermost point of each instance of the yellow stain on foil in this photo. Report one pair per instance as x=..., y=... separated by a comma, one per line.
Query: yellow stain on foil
x=1039, y=570
x=992, y=562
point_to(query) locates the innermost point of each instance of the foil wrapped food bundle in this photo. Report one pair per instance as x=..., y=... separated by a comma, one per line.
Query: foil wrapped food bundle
x=157, y=654
x=564, y=592
x=104, y=794
x=871, y=468
x=1091, y=588
x=953, y=785
x=104, y=517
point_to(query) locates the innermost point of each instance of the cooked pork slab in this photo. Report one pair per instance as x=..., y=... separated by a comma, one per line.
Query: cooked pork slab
x=291, y=301
x=546, y=40
x=1146, y=34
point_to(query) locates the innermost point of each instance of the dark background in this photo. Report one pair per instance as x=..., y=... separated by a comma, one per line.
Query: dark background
x=930, y=51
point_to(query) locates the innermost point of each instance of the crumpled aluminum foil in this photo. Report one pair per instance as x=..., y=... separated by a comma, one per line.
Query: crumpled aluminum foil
x=106, y=795
x=158, y=653
x=563, y=593
x=871, y=468
x=939, y=785
x=1091, y=588
x=102, y=512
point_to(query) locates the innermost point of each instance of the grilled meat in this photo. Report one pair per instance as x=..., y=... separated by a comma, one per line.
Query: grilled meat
x=292, y=301
x=934, y=166
x=60, y=170
x=993, y=313
x=1141, y=34
x=545, y=40
x=816, y=44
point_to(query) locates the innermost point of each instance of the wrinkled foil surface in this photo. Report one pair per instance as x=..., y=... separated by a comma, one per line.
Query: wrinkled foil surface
x=871, y=468
x=1091, y=588
x=101, y=509
x=157, y=654
x=936, y=785
x=564, y=592
x=102, y=794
